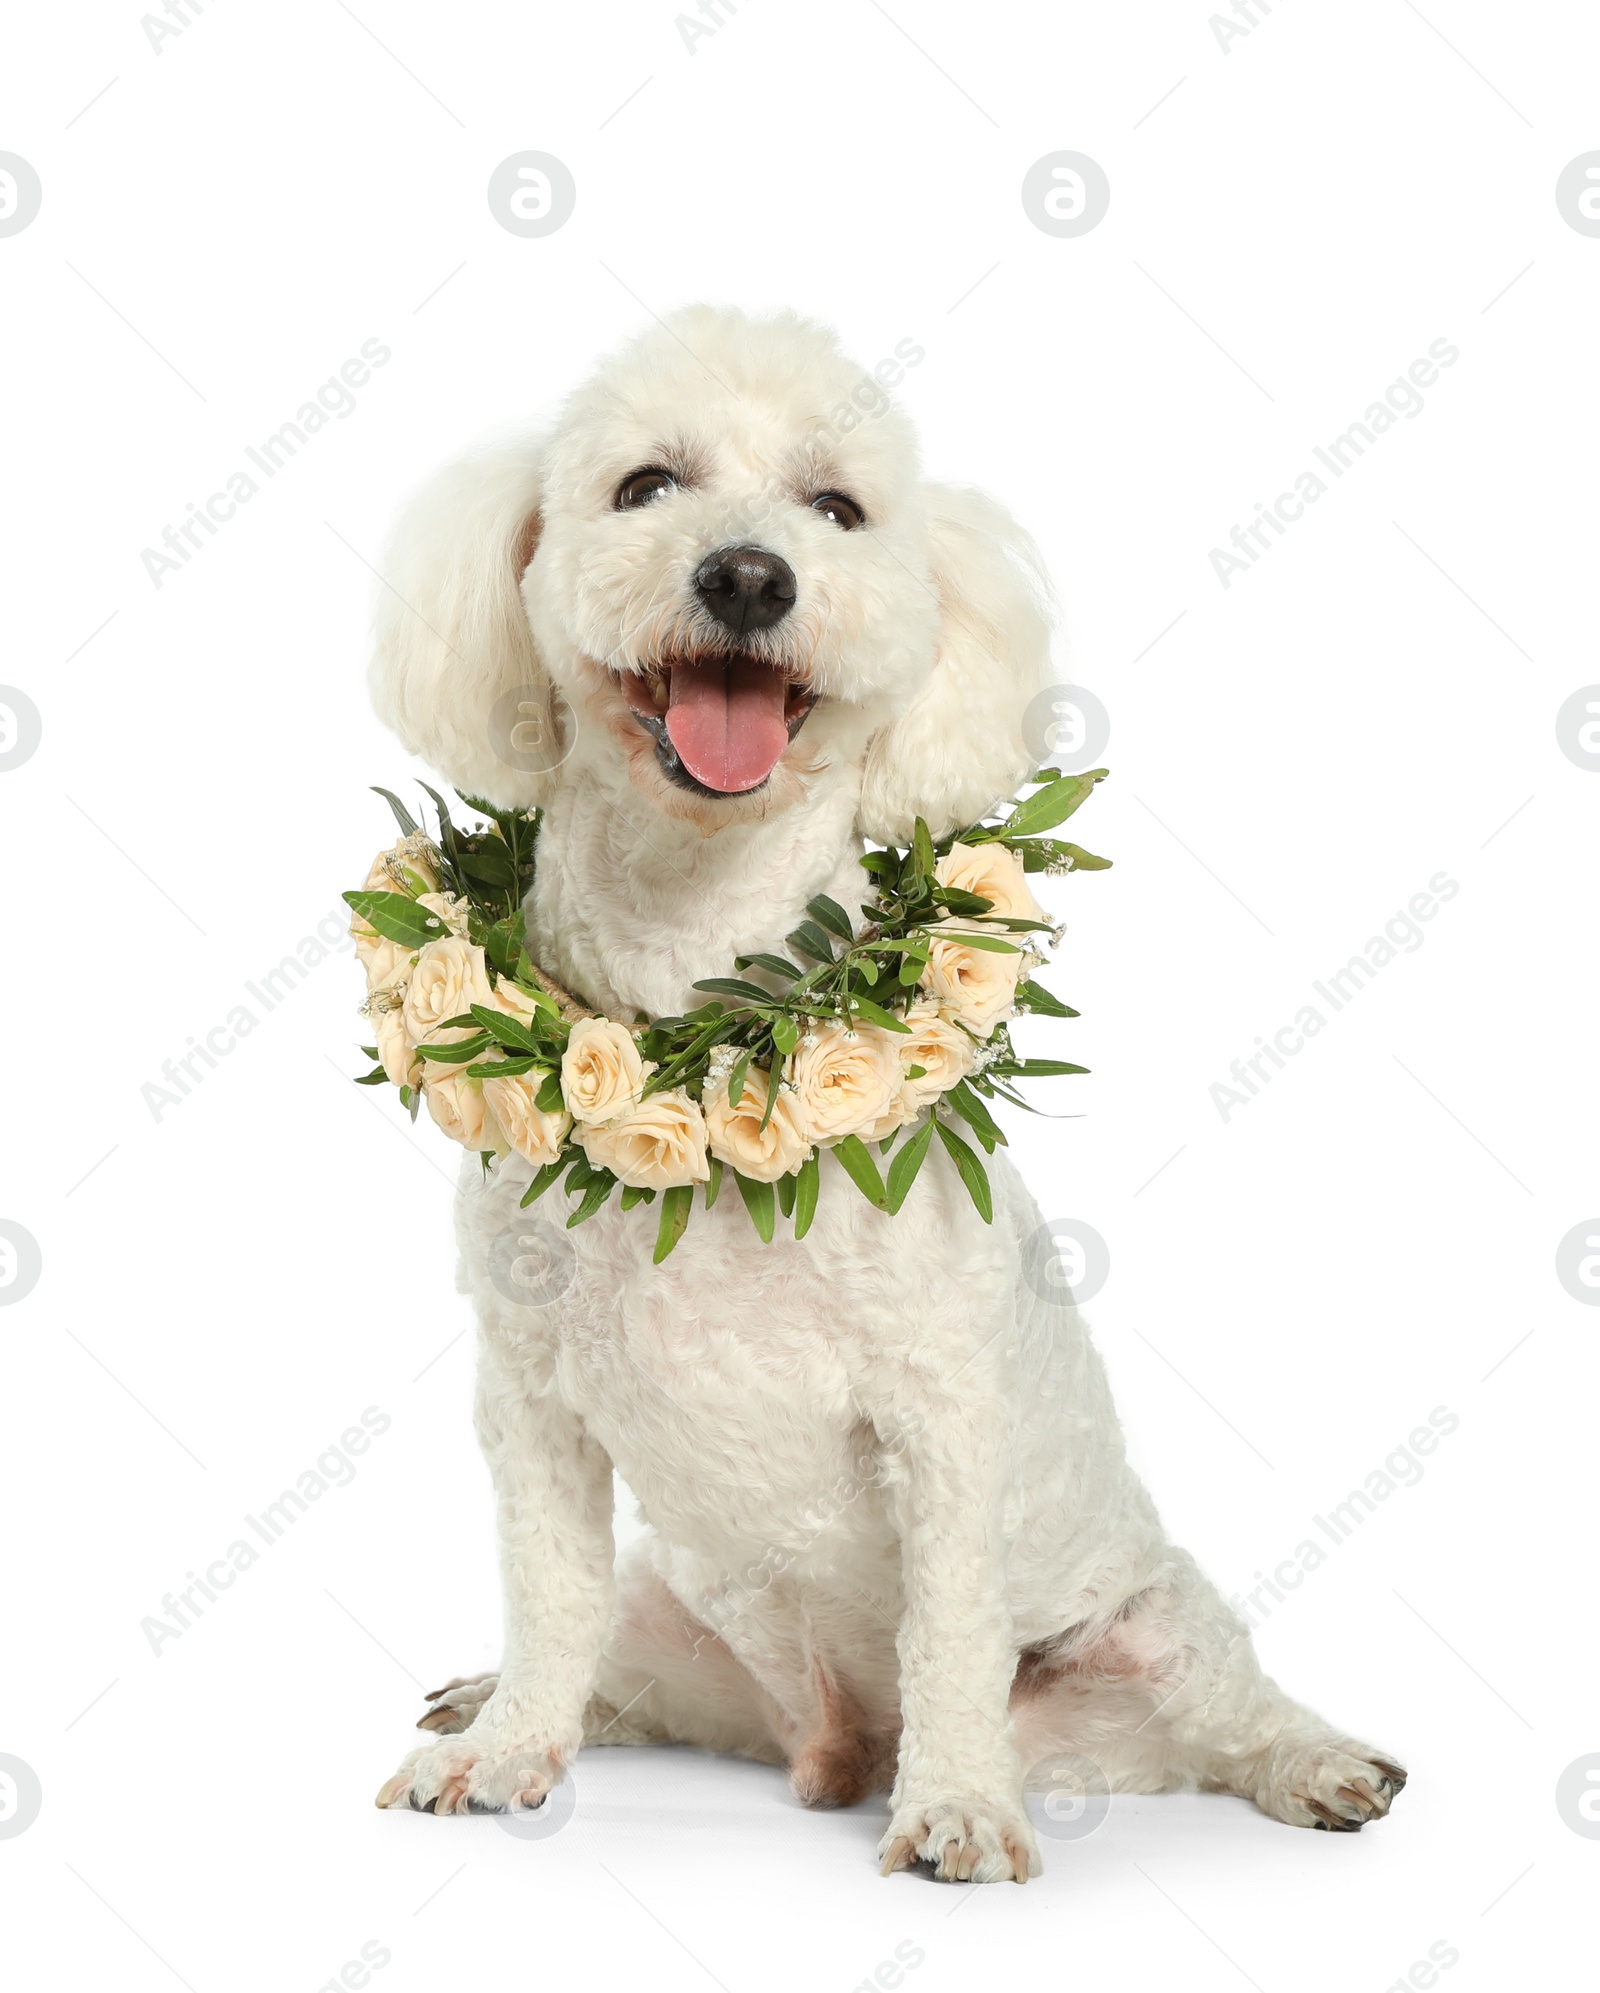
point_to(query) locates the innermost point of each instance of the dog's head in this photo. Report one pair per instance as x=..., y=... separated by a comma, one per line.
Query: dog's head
x=722, y=571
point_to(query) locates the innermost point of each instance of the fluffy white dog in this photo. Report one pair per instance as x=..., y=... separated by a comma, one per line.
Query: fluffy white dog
x=718, y=625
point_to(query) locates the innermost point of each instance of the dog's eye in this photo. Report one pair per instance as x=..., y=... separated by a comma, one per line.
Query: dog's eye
x=643, y=488
x=844, y=512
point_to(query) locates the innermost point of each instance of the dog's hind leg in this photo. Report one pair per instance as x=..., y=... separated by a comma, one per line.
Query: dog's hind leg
x=666, y=1678
x=453, y=1708
x=1167, y=1693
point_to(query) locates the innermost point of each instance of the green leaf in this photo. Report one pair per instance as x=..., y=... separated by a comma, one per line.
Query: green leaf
x=785, y=1190
x=875, y=1014
x=731, y=986
x=1041, y=1002
x=370, y=1050
x=829, y=914
x=972, y=1110
x=375, y=1078
x=736, y=1078
x=714, y=1181
x=973, y=1174
x=457, y=1054
x=675, y=1208
x=987, y=944
x=857, y=1162
x=903, y=1170
x=543, y=1178
x=759, y=1202
x=810, y=940
x=785, y=1034
x=504, y=1069
x=599, y=1187
x=635, y=1193
x=776, y=963
x=1085, y=861
x=402, y=815
x=504, y=1030
x=1041, y=1069
x=773, y=1089
x=492, y=863
x=807, y=1178
x=961, y=902
x=396, y=918
x=922, y=858
x=548, y=1098
x=1052, y=804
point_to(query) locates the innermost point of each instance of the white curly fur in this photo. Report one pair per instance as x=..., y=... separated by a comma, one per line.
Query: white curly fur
x=894, y=1534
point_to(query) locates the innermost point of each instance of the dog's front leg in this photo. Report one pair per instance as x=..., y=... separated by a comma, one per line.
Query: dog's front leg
x=554, y=1497
x=957, y=1799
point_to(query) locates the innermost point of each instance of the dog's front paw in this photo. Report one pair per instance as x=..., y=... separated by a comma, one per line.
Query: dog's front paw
x=1332, y=1784
x=963, y=1840
x=474, y=1774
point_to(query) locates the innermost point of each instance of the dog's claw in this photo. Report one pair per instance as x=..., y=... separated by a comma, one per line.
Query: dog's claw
x=391, y=1789
x=1020, y=1864
x=898, y=1857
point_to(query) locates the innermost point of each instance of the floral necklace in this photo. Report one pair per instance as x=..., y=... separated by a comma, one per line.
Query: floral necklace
x=869, y=1038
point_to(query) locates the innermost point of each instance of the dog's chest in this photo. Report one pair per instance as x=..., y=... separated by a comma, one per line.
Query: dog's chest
x=726, y=1407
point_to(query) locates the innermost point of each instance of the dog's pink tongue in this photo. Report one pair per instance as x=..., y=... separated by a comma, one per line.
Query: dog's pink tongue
x=726, y=721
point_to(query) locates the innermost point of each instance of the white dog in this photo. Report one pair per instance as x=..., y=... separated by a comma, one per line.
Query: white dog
x=720, y=628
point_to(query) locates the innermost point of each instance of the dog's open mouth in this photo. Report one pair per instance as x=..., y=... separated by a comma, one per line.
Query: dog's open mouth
x=720, y=723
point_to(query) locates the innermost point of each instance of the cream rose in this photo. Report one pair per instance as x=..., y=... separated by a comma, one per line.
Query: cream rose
x=735, y=1133
x=601, y=1071
x=535, y=1135
x=944, y=1052
x=994, y=872
x=459, y=1108
x=845, y=1080
x=448, y=979
x=972, y=986
x=516, y=1002
x=396, y=1053
x=404, y=869
x=658, y=1144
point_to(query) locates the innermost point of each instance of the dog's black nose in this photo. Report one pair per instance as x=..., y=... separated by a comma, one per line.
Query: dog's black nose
x=746, y=588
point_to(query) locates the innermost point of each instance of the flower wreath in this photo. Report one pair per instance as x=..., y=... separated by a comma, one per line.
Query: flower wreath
x=898, y=1025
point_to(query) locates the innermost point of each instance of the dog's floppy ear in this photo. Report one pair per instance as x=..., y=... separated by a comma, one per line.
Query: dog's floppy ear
x=454, y=668
x=959, y=747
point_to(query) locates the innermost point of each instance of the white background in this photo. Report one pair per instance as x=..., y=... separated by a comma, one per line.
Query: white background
x=1294, y=757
